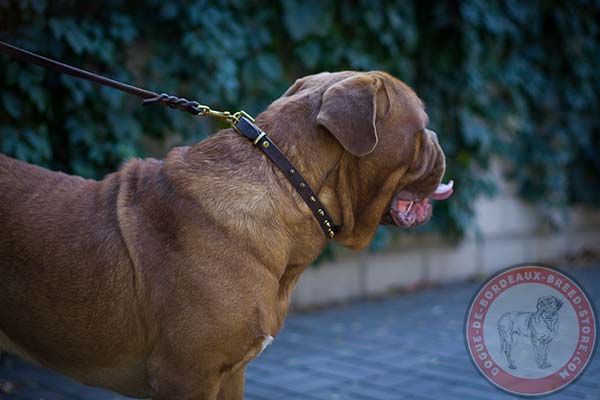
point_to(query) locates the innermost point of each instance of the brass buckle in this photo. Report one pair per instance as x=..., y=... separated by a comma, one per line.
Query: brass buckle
x=238, y=115
x=226, y=115
x=207, y=111
x=255, y=142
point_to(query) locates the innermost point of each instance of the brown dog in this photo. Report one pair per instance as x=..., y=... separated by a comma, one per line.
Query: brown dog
x=166, y=278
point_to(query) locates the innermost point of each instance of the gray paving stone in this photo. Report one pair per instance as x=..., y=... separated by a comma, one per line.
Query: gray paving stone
x=311, y=383
x=389, y=379
x=345, y=370
x=580, y=392
x=427, y=390
x=282, y=379
x=337, y=394
x=259, y=391
x=367, y=390
x=476, y=393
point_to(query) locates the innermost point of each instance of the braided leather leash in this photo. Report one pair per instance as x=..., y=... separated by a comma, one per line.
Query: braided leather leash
x=240, y=121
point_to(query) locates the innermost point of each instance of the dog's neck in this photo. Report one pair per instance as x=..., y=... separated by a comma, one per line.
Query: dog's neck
x=313, y=151
x=249, y=196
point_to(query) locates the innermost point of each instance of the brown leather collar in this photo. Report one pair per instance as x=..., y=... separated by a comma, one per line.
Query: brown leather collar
x=240, y=121
x=260, y=139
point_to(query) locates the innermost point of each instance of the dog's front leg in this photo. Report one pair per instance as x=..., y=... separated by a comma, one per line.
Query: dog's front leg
x=232, y=386
x=183, y=373
x=537, y=347
x=186, y=387
x=544, y=350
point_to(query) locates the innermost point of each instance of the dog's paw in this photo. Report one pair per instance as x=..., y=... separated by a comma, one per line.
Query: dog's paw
x=512, y=365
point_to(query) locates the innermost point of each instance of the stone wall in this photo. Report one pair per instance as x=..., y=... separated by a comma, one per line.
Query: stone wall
x=509, y=232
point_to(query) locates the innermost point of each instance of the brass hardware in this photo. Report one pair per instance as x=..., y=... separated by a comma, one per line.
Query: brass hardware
x=232, y=119
x=203, y=110
x=207, y=111
x=236, y=116
x=258, y=138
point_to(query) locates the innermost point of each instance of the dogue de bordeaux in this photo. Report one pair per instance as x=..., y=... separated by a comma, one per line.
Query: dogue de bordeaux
x=541, y=327
x=166, y=278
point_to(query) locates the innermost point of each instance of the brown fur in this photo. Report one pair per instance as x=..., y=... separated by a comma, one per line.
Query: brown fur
x=164, y=278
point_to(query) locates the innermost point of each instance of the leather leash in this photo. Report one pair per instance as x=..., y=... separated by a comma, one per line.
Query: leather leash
x=240, y=121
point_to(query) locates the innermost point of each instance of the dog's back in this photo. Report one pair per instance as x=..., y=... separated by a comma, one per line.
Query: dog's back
x=61, y=249
x=24, y=185
x=515, y=322
x=40, y=211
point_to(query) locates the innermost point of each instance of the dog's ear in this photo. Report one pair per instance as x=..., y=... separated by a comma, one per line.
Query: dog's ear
x=539, y=303
x=559, y=303
x=348, y=112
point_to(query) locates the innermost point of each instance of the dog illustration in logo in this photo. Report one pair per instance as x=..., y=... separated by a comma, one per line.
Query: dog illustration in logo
x=540, y=326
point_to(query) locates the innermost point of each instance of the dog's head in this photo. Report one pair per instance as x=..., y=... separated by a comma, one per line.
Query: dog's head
x=548, y=306
x=390, y=165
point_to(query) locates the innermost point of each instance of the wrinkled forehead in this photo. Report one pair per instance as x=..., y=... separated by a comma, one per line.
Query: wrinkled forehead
x=398, y=107
x=405, y=106
x=326, y=79
x=398, y=93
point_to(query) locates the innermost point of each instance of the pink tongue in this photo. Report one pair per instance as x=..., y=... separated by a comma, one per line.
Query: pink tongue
x=443, y=191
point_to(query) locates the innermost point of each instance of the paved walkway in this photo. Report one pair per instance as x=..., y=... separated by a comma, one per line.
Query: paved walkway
x=404, y=347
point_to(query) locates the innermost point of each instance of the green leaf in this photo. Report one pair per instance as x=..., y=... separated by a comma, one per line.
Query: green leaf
x=306, y=17
x=11, y=104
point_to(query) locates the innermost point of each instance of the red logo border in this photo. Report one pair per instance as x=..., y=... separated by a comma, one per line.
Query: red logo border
x=477, y=349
